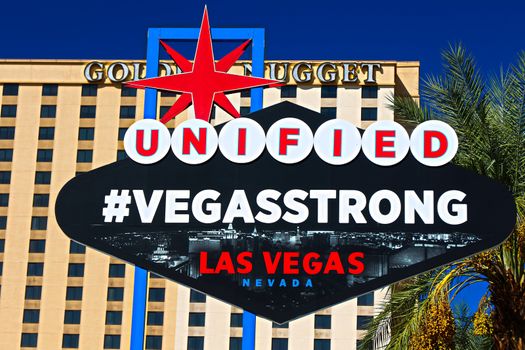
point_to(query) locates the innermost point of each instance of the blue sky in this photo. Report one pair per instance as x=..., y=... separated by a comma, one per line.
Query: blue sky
x=382, y=30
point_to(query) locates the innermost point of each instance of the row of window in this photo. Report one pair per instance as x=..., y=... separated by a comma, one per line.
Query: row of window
x=289, y=91
x=41, y=177
x=71, y=341
x=50, y=111
x=74, y=269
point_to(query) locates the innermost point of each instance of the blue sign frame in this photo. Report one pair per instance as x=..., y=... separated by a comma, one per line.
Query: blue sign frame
x=140, y=285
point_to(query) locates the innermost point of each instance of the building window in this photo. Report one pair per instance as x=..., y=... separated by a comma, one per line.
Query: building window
x=155, y=318
x=33, y=292
x=4, y=199
x=369, y=92
x=74, y=293
x=31, y=316
x=368, y=113
x=279, y=344
x=75, y=270
x=10, y=90
x=70, y=341
x=329, y=91
x=323, y=321
x=196, y=319
x=5, y=177
x=37, y=245
x=38, y=222
x=236, y=320
x=76, y=248
x=7, y=133
x=127, y=112
x=121, y=154
x=168, y=94
x=35, y=269
x=48, y=111
x=153, y=342
x=6, y=155
x=121, y=133
x=195, y=343
x=44, y=155
x=321, y=344
x=358, y=346
x=289, y=91
x=363, y=321
x=3, y=222
x=50, y=90
x=84, y=156
x=43, y=177
x=72, y=317
x=40, y=200
x=89, y=90
x=86, y=134
x=46, y=133
x=88, y=111
x=117, y=270
x=2, y=245
x=280, y=325
x=329, y=111
x=113, y=317
x=8, y=111
x=111, y=341
x=244, y=111
x=29, y=340
x=235, y=343
x=197, y=297
x=156, y=294
x=115, y=294
x=128, y=92
x=1, y=269
x=163, y=110
x=366, y=299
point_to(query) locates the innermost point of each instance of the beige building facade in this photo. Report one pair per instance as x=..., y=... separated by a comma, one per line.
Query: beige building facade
x=57, y=294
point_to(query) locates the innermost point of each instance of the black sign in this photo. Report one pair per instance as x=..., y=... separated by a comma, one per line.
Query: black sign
x=284, y=240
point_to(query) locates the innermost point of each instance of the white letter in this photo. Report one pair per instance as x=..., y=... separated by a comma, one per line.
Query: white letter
x=239, y=207
x=147, y=211
x=172, y=206
x=459, y=209
x=346, y=209
x=425, y=208
x=214, y=209
x=322, y=197
x=395, y=207
x=300, y=208
x=273, y=208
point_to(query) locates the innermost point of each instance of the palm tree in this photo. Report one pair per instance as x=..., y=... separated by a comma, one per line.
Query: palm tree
x=489, y=119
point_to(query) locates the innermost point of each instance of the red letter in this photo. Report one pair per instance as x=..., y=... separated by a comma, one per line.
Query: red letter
x=381, y=143
x=154, y=143
x=188, y=137
x=427, y=142
x=242, y=260
x=284, y=141
x=271, y=265
x=358, y=266
x=290, y=263
x=225, y=263
x=312, y=268
x=334, y=264
x=204, y=269
x=241, y=147
x=338, y=135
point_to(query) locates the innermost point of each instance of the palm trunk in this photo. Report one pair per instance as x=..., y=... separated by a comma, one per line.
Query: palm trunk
x=508, y=315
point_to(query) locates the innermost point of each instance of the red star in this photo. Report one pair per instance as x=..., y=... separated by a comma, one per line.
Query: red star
x=205, y=81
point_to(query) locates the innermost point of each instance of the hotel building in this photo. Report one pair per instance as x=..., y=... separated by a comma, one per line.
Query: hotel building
x=60, y=118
